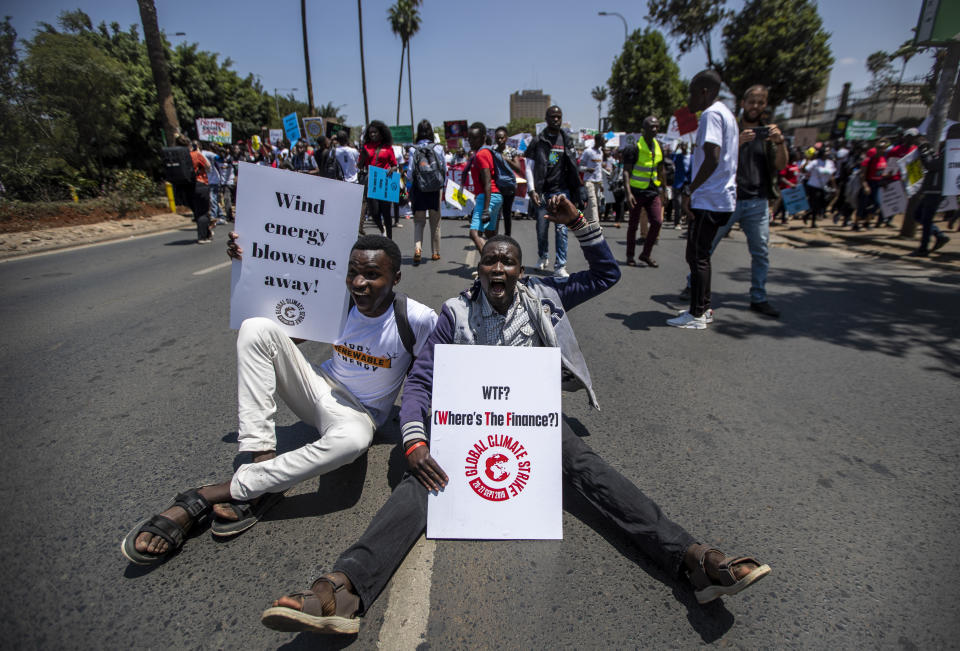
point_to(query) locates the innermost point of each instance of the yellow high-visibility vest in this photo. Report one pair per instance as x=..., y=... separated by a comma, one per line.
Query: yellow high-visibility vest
x=645, y=171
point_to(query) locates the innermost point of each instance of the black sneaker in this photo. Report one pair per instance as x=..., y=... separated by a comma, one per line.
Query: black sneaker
x=685, y=294
x=941, y=240
x=765, y=309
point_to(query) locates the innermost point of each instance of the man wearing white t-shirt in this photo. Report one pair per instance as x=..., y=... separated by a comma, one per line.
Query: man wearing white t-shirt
x=712, y=195
x=346, y=399
x=591, y=165
x=347, y=156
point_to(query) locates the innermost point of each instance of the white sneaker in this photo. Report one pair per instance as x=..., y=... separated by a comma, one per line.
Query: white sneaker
x=542, y=264
x=561, y=272
x=708, y=315
x=687, y=320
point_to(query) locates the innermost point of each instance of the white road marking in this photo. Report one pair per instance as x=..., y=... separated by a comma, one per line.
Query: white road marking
x=213, y=268
x=408, y=609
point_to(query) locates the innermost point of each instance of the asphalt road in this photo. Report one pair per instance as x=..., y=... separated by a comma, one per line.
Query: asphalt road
x=824, y=443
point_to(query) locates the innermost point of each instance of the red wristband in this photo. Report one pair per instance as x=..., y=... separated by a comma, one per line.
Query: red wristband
x=414, y=447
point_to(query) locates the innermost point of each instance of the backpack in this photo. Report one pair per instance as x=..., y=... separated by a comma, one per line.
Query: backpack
x=177, y=165
x=330, y=167
x=505, y=179
x=429, y=170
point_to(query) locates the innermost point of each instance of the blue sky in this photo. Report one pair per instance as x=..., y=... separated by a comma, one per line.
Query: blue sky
x=466, y=59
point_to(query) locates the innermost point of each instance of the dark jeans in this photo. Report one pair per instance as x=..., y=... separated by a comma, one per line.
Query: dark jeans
x=506, y=211
x=925, y=215
x=373, y=559
x=380, y=211
x=699, y=242
x=650, y=203
x=200, y=205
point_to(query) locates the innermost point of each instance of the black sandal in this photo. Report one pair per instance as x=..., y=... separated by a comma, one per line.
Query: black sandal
x=248, y=514
x=190, y=501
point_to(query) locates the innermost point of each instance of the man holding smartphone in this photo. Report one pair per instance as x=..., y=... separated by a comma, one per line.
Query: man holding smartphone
x=762, y=154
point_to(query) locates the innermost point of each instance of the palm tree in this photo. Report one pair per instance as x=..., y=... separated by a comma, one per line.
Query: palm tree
x=363, y=70
x=306, y=54
x=161, y=76
x=404, y=22
x=600, y=95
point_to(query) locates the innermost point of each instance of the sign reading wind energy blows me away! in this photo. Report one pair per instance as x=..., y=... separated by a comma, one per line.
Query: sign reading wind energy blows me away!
x=296, y=249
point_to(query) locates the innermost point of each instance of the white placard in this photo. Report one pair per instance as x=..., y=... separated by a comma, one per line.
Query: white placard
x=496, y=433
x=296, y=232
x=893, y=199
x=951, y=170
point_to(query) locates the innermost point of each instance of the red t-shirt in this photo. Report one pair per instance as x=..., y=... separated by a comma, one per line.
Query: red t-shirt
x=483, y=161
x=199, y=166
x=788, y=176
x=875, y=167
x=385, y=159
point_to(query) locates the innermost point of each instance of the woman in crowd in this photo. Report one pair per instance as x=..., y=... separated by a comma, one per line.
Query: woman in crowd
x=427, y=155
x=378, y=152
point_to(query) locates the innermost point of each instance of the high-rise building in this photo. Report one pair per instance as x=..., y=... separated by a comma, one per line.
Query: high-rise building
x=529, y=104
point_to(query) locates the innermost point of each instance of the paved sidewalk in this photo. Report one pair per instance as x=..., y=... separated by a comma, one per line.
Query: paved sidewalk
x=50, y=239
x=881, y=242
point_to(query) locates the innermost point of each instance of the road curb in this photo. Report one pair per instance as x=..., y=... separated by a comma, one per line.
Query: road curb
x=864, y=248
x=106, y=238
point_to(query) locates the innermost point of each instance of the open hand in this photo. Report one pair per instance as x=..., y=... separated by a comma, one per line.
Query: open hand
x=426, y=469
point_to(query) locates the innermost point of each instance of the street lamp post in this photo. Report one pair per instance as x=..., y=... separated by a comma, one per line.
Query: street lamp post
x=276, y=99
x=613, y=13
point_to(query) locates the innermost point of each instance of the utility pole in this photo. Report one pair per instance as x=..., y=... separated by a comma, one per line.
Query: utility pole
x=306, y=55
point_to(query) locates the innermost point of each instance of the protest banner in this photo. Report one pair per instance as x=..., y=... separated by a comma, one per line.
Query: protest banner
x=402, y=133
x=276, y=137
x=313, y=128
x=951, y=162
x=454, y=129
x=291, y=127
x=458, y=198
x=795, y=200
x=296, y=231
x=861, y=130
x=496, y=432
x=540, y=126
x=839, y=127
x=331, y=127
x=383, y=185
x=893, y=199
x=214, y=130
x=804, y=137
x=686, y=120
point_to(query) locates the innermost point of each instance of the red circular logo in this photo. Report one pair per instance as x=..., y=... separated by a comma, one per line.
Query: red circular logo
x=497, y=467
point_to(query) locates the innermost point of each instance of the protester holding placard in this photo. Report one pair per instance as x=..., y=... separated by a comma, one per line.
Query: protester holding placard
x=931, y=194
x=346, y=399
x=428, y=173
x=378, y=152
x=506, y=309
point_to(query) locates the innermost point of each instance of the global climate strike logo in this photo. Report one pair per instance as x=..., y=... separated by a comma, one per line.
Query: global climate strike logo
x=290, y=312
x=497, y=468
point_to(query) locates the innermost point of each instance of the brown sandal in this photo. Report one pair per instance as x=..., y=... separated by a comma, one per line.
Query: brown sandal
x=707, y=590
x=315, y=615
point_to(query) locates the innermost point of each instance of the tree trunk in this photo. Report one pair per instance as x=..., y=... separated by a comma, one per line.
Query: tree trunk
x=161, y=76
x=403, y=47
x=409, y=84
x=363, y=70
x=306, y=55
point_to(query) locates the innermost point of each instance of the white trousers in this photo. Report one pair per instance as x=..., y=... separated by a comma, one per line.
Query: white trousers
x=269, y=364
x=593, y=202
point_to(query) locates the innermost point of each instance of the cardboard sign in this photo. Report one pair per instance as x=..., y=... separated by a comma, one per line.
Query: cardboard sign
x=214, y=130
x=276, y=137
x=383, y=185
x=496, y=433
x=402, y=133
x=839, y=127
x=795, y=200
x=686, y=120
x=893, y=199
x=313, y=128
x=296, y=231
x=291, y=127
x=951, y=162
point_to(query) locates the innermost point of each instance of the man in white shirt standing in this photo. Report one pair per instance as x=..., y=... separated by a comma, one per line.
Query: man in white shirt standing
x=591, y=164
x=712, y=195
x=347, y=156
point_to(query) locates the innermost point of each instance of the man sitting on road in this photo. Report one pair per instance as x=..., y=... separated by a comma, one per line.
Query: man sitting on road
x=504, y=309
x=346, y=399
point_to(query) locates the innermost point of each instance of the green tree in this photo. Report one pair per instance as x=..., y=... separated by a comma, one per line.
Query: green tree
x=644, y=81
x=328, y=110
x=522, y=125
x=690, y=21
x=778, y=43
x=599, y=94
x=880, y=66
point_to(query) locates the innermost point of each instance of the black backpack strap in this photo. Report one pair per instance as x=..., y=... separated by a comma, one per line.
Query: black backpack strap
x=403, y=323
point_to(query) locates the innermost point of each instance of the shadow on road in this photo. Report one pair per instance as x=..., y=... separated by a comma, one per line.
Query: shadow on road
x=180, y=242
x=313, y=641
